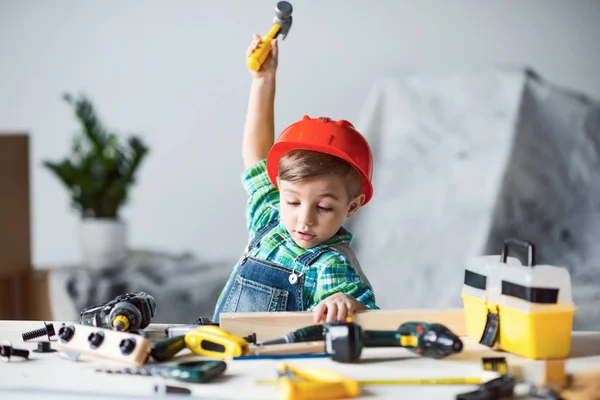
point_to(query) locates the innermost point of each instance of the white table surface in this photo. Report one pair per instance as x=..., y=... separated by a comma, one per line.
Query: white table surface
x=50, y=376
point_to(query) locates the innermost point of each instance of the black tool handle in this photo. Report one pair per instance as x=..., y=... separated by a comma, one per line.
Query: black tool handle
x=519, y=243
x=167, y=348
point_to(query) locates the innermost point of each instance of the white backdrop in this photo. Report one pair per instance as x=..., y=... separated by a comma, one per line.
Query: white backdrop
x=175, y=72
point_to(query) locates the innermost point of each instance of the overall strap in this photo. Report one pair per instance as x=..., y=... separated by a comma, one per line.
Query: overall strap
x=258, y=237
x=311, y=256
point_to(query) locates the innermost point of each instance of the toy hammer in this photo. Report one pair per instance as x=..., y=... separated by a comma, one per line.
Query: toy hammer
x=281, y=26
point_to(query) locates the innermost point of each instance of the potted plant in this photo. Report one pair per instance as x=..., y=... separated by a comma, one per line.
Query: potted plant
x=99, y=175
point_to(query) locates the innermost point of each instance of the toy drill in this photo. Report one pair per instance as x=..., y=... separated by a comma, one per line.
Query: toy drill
x=126, y=313
x=428, y=340
x=281, y=26
x=345, y=340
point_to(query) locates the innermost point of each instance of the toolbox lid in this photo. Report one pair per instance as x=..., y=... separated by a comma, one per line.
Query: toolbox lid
x=478, y=272
x=525, y=287
x=531, y=286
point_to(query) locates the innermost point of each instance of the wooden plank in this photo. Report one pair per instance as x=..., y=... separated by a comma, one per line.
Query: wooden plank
x=585, y=386
x=269, y=326
x=109, y=345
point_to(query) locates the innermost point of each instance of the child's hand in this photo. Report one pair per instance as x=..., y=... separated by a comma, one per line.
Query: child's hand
x=268, y=67
x=336, y=307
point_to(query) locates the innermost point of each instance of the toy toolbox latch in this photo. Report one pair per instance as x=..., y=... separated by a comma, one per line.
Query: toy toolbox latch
x=492, y=322
x=492, y=326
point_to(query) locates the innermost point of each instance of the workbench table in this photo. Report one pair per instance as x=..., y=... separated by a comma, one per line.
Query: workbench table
x=51, y=376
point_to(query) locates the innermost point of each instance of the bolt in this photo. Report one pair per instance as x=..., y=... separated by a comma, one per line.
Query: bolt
x=47, y=330
x=65, y=333
x=95, y=339
x=7, y=351
x=127, y=346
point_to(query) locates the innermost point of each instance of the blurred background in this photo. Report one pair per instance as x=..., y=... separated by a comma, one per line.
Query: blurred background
x=483, y=117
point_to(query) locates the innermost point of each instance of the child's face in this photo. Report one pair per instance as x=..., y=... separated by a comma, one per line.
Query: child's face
x=313, y=211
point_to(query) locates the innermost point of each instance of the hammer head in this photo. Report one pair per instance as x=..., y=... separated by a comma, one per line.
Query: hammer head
x=283, y=17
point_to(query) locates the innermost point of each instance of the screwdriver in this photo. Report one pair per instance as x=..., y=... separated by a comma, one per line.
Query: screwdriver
x=308, y=334
x=181, y=330
x=206, y=340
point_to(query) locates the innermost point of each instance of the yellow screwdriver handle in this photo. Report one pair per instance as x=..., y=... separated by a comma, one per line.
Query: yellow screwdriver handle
x=212, y=341
x=259, y=55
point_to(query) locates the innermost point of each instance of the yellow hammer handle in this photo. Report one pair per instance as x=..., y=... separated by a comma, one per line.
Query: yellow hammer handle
x=259, y=55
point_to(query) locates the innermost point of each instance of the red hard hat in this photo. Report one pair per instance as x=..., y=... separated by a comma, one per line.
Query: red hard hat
x=338, y=138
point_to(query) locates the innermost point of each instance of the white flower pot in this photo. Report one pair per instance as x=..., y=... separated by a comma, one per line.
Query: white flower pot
x=103, y=242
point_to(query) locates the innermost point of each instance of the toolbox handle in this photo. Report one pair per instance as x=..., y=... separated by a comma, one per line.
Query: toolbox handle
x=519, y=243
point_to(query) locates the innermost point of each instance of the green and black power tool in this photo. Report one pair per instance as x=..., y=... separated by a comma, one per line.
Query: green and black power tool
x=345, y=340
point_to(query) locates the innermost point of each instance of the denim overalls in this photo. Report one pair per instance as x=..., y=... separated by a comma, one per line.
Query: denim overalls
x=260, y=285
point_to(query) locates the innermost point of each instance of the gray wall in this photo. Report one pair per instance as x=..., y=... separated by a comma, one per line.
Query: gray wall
x=175, y=72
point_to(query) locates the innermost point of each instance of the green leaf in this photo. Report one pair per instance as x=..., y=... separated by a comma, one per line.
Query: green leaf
x=101, y=168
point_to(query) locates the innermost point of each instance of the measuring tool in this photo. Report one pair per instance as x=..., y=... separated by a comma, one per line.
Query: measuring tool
x=473, y=380
x=191, y=371
x=493, y=367
x=308, y=383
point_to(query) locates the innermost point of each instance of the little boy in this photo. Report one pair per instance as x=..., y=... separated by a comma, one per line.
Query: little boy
x=300, y=191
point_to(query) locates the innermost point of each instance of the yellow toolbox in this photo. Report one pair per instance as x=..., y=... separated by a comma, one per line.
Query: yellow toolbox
x=522, y=309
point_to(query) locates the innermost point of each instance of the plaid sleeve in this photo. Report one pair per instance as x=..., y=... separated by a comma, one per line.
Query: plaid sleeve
x=263, y=197
x=336, y=274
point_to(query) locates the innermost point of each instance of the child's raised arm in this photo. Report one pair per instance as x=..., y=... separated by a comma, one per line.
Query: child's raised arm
x=259, y=129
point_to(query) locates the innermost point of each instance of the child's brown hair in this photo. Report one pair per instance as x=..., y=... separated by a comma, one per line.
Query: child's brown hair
x=299, y=165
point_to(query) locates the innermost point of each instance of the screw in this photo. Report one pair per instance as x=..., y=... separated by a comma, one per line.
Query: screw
x=95, y=339
x=127, y=346
x=65, y=333
x=46, y=330
x=7, y=351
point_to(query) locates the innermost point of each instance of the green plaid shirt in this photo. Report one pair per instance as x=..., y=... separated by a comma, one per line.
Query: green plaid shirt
x=331, y=273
